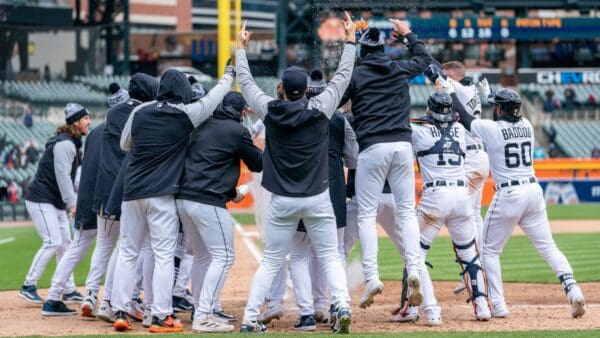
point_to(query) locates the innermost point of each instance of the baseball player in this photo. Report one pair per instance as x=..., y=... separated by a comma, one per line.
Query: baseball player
x=157, y=133
x=142, y=88
x=519, y=199
x=380, y=103
x=295, y=171
x=51, y=195
x=439, y=143
x=212, y=170
x=85, y=228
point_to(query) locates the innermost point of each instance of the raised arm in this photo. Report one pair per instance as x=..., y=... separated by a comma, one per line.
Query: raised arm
x=64, y=153
x=202, y=109
x=350, y=146
x=420, y=56
x=464, y=117
x=126, y=140
x=328, y=101
x=256, y=98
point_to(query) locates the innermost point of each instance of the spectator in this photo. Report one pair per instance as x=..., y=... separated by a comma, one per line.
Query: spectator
x=570, y=98
x=9, y=161
x=3, y=190
x=31, y=153
x=596, y=152
x=2, y=142
x=548, y=104
x=552, y=151
x=28, y=118
x=25, y=186
x=591, y=101
x=11, y=192
x=47, y=76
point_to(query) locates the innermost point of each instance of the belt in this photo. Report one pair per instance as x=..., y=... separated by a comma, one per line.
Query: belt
x=475, y=147
x=516, y=182
x=445, y=183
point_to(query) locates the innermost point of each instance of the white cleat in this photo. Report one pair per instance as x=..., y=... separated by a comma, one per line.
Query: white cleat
x=500, y=310
x=270, y=314
x=482, y=309
x=147, y=321
x=415, y=297
x=106, y=312
x=211, y=325
x=405, y=318
x=433, y=318
x=372, y=288
x=577, y=302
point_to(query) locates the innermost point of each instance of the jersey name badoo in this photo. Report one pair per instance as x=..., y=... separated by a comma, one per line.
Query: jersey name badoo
x=516, y=132
x=435, y=132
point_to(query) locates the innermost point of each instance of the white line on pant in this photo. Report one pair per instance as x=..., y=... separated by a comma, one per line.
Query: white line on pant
x=7, y=240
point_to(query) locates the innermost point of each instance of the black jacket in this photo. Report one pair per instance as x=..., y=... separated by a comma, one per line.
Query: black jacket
x=212, y=164
x=85, y=217
x=296, y=148
x=142, y=88
x=380, y=95
x=160, y=134
x=115, y=198
x=44, y=188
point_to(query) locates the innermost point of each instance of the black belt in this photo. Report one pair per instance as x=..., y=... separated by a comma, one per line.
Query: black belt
x=475, y=147
x=449, y=183
x=516, y=182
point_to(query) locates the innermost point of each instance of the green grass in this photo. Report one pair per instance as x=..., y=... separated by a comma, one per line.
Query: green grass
x=520, y=261
x=570, y=212
x=244, y=218
x=526, y=334
x=16, y=256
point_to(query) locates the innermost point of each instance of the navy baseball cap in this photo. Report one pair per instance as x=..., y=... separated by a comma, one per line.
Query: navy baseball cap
x=294, y=80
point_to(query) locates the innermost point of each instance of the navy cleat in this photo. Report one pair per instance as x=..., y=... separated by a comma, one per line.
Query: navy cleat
x=29, y=293
x=252, y=327
x=72, y=297
x=56, y=308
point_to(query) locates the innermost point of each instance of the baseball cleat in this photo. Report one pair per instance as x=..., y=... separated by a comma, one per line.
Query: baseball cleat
x=121, y=322
x=106, y=313
x=306, y=323
x=147, y=319
x=433, y=320
x=270, y=314
x=224, y=317
x=29, y=293
x=415, y=297
x=168, y=324
x=181, y=304
x=332, y=316
x=500, y=311
x=372, y=288
x=411, y=315
x=460, y=288
x=88, y=306
x=56, y=308
x=136, y=309
x=577, y=302
x=212, y=325
x=482, y=309
x=320, y=316
x=252, y=327
x=342, y=324
x=72, y=297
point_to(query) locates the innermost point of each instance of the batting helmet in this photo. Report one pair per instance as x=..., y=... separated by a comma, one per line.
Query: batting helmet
x=507, y=104
x=439, y=105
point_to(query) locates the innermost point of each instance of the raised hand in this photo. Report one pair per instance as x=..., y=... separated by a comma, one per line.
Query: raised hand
x=401, y=27
x=446, y=85
x=243, y=37
x=485, y=87
x=349, y=27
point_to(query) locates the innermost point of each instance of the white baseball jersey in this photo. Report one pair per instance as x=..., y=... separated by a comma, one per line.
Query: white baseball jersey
x=509, y=146
x=469, y=97
x=440, y=157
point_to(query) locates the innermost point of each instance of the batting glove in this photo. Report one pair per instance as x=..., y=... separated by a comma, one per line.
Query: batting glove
x=447, y=86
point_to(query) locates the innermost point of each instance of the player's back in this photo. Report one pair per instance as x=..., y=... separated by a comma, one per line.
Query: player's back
x=439, y=150
x=509, y=146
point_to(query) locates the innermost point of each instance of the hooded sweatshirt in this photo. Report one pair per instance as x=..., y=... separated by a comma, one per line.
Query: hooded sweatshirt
x=157, y=135
x=142, y=88
x=380, y=94
x=85, y=217
x=212, y=163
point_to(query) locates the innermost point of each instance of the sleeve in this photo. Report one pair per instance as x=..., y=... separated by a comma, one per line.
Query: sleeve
x=202, y=109
x=483, y=129
x=463, y=116
x=349, y=94
x=126, y=140
x=328, y=101
x=420, y=57
x=256, y=98
x=250, y=154
x=64, y=153
x=350, y=146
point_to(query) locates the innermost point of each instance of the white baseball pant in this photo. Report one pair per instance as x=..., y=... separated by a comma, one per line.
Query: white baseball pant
x=392, y=161
x=450, y=206
x=316, y=272
x=209, y=229
x=81, y=243
x=146, y=264
x=277, y=290
x=156, y=216
x=282, y=221
x=477, y=170
x=523, y=205
x=106, y=239
x=185, y=266
x=52, y=225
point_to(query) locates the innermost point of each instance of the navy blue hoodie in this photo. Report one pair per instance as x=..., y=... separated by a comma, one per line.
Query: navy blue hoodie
x=212, y=164
x=380, y=94
x=85, y=217
x=142, y=88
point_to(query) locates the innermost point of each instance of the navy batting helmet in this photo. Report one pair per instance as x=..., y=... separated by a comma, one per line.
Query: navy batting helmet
x=439, y=105
x=508, y=104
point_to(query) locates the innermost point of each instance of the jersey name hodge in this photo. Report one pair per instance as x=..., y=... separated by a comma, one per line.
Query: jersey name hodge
x=516, y=132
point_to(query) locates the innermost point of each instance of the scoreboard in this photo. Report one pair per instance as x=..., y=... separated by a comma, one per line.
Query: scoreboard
x=499, y=28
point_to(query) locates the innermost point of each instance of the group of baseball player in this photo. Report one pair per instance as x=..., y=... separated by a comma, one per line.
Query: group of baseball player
x=156, y=175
